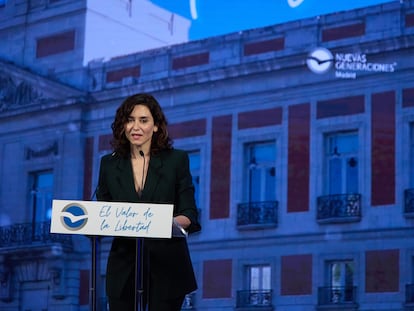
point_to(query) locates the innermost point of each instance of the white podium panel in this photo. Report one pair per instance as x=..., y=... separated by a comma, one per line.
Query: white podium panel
x=112, y=218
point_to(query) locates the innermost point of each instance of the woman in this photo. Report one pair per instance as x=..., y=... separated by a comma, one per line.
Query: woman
x=145, y=168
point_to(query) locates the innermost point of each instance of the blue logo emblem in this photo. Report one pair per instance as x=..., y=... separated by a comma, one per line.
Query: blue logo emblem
x=74, y=217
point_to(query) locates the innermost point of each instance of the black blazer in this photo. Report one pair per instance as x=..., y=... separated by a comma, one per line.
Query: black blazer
x=168, y=181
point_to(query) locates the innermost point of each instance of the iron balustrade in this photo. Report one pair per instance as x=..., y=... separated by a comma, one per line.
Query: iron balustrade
x=409, y=201
x=254, y=298
x=188, y=303
x=29, y=234
x=337, y=295
x=409, y=293
x=339, y=207
x=257, y=213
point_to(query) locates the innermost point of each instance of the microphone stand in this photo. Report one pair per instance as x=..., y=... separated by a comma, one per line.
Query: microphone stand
x=139, y=275
x=95, y=245
x=139, y=257
x=95, y=267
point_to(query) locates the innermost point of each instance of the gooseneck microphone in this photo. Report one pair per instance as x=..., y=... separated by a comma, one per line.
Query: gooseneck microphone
x=139, y=255
x=141, y=153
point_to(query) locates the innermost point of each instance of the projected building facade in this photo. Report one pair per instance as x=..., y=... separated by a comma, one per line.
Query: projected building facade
x=301, y=140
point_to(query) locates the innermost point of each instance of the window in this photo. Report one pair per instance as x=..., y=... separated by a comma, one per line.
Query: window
x=41, y=195
x=259, y=284
x=194, y=157
x=341, y=280
x=342, y=163
x=259, y=277
x=260, y=172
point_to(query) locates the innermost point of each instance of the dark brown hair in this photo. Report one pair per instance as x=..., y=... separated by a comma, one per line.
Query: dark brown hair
x=160, y=139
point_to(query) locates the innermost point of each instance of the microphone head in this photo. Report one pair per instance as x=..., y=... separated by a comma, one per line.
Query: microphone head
x=141, y=153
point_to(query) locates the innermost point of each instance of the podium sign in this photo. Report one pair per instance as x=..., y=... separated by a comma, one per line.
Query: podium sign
x=112, y=218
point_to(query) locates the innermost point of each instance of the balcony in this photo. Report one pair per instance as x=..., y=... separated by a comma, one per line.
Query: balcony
x=339, y=208
x=28, y=235
x=189, y=302
x=409, y=202
x=254, y=300
x=257, y=215
x=337, y=298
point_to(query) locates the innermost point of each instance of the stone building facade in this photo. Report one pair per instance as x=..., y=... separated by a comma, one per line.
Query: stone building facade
x=301, y=141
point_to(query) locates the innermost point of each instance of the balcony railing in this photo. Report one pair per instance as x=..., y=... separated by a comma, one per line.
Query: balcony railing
x=336, y=295
x=339, y=208
x=257, y=214
x=189, y=302
x=18, y=235
x=409, y=201
x=409, y=293
x=259, y=299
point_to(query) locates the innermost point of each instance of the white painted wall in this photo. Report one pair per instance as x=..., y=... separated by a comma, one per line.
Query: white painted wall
x=121, y=27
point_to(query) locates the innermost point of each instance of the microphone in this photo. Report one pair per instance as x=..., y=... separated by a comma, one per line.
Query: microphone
x=141, y=153
x=94, y=193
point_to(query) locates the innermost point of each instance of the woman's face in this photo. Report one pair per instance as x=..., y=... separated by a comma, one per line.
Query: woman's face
x=140, y=127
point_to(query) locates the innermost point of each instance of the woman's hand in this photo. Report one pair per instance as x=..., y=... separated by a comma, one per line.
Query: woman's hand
x=182, y=221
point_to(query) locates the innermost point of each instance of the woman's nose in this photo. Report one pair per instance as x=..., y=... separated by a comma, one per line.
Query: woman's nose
x=136, y=125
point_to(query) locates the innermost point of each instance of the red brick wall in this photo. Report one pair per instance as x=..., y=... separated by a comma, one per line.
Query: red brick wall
x=217, y=278
x=105, y=142
x=408, y=98
x=187, y=129
x=409, y=20
x=340, y=107
x=272, y=45
x=84, y=287
x=220, y=167
x=88, y=164
x=190, y=60
x=118, y=75
x=259, y=118
x=298, y=158
x=343, y=32
x=296, y=275
x=55, y=44
x=382, y=272
x=383, y=148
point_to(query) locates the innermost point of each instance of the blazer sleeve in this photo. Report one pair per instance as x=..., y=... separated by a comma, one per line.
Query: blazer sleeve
x=185, y=194
x=102, y=192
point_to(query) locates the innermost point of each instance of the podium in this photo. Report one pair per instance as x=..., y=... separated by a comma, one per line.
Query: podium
x=96, y=219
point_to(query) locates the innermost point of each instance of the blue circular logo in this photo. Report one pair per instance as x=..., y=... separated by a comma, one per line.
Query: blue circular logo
x=74, y=217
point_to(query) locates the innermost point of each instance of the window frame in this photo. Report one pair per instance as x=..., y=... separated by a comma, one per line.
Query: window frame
x=327, y=157
x=243, y=137
x=33, y=177
x=317, y=169
x=247, y=169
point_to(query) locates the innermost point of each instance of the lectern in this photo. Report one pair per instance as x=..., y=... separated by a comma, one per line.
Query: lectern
x=96, y=219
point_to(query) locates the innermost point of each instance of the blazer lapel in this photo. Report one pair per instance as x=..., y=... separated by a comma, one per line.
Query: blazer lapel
x=153, y=177
x=126, y=180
